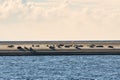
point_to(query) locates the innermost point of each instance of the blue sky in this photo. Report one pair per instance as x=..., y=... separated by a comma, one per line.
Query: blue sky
x=59, y=19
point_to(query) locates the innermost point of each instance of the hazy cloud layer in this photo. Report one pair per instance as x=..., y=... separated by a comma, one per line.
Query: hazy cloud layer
x=59, y=19
x=59, y=8
x=30, y=9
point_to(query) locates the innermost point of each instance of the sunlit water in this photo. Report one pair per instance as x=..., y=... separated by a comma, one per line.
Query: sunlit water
x=79, y=67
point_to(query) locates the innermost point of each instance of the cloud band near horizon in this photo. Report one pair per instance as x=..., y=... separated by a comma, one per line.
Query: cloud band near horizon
x=60, y=19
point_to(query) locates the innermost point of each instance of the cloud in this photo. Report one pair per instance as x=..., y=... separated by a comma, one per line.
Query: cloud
x=65, y=19
x=10, y=7
x=53, y=8
x=62, y=10
x=30, y=9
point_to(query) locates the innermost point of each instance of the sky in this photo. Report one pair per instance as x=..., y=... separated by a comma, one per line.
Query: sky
x=59, y=20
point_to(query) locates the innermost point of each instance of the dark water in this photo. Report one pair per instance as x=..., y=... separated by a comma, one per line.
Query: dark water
x=79, y=67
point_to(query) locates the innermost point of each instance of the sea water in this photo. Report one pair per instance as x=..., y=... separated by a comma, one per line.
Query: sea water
x=72, y=67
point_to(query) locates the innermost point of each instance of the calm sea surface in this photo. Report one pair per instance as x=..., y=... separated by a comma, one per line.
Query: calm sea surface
x=79, y=67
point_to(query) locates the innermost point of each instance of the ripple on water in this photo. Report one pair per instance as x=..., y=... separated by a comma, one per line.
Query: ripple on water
x=79, y=67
